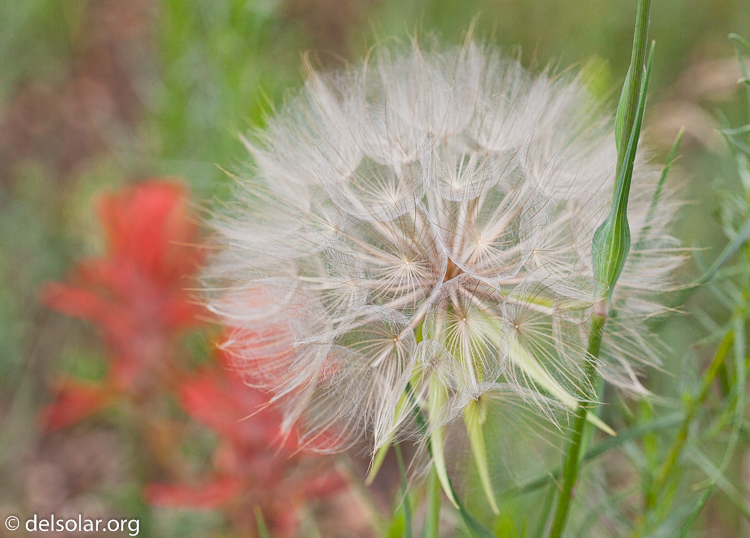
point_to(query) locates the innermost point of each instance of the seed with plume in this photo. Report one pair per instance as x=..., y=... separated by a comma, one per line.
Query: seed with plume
x=415, y=234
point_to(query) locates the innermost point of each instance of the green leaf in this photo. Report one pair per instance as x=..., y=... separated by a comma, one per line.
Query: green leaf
x=695, y=512
x=434, y=448
x=734, y=245
x=731, y=491
x=624, y=436
x=396, y=527
x=505, y=528
x=659, y=188
x=525, y=361
x=741, y=40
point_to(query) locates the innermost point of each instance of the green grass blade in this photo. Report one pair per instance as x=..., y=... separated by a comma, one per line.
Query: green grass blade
x=597, y=450
x=734, y=245
x=740, y=40
x=659, y=188
x=731, y=491
x=695, y=512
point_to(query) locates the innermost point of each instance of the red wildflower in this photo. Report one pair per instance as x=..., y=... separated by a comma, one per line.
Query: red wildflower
x=255, y=464
x=75, y=401
x=136, y=293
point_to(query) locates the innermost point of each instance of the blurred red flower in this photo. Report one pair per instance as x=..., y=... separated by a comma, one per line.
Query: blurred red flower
x=136, y=293
x=255, y=464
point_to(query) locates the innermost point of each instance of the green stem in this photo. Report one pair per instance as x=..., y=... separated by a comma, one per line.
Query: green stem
x=572, y=461
x=611, y=241
x=405, y=489
x=681, y=440
x=623, y=436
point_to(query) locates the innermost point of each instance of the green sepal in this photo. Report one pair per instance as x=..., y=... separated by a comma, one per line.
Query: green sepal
x=437, y=438
x=377, y=462
x=592, y=419
x=524, y=360
x=475, y=416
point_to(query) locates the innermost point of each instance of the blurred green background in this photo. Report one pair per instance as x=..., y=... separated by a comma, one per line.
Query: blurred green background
x=96, y=93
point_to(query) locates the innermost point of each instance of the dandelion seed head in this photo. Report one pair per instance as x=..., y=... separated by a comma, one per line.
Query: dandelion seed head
x=425, y=219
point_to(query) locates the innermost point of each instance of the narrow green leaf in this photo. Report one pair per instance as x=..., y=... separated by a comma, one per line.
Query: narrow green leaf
x=659, y=188
x=505, y=527
x=731, y=491
x=741, y=146
x=594, y=420
x=525, y=361
x=597, y=450
x=695, y=512
x=741, y=40
x=475, y=528
x=734, y=245
x=736, y=131
x=549, y=501
x=396, y=526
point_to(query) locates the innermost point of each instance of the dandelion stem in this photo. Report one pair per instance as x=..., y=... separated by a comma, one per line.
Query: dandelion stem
x=572, y=461
x=611, y=242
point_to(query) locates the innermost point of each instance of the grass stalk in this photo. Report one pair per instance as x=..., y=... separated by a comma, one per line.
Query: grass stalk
x=692, y=407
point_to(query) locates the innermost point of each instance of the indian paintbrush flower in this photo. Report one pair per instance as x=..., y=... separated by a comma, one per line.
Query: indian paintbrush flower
x=136, y=295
